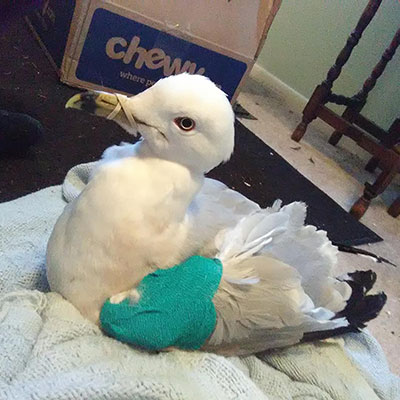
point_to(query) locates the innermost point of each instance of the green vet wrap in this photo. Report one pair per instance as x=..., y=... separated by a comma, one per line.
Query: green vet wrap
x=175, y=307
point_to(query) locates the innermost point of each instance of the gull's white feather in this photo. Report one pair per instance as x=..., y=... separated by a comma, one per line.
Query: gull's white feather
x=262, y=302
x=280, y=233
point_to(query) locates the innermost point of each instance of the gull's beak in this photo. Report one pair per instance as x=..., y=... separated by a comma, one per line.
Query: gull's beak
x=98, y=103
x=104, y=105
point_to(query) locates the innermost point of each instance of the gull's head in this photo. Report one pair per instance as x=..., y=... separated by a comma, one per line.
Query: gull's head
x=183, y=118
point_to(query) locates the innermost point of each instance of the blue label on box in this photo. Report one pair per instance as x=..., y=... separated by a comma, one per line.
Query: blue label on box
x=128, y=56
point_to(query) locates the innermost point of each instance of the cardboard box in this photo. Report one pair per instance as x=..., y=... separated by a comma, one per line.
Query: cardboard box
x=127, y=45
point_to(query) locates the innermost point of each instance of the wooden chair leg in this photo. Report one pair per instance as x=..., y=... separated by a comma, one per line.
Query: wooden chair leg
x=300, y=130
x=371, y=191
x=361, y=97
x=349, y=115
x=310, y=111
x=394, y=209
x=372, y=164
x=322, y=91
x=393, y=136
x=335, y=138
x=360, y=207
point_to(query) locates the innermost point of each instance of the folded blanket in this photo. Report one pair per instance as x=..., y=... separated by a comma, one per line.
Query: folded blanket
x=49, y=351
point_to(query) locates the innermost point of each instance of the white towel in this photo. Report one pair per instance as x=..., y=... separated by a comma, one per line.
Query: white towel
x=48, y=351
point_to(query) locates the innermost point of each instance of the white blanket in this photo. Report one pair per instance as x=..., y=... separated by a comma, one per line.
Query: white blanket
x=48, y=351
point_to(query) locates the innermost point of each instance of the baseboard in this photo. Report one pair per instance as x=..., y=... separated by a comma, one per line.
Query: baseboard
x=293, y=99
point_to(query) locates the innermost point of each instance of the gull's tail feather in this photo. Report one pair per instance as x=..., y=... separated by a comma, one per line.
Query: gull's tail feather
x=361, y=307
x=277, y=286
x=273, y=312
x=279, y=232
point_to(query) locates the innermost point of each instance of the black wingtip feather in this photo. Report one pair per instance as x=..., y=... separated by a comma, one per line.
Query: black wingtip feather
x=365, y=279
x=360, y=308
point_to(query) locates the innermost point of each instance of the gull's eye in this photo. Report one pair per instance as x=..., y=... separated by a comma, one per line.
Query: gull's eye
x=185, y=123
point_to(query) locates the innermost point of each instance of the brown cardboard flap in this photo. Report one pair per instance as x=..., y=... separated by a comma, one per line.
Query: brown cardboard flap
x=236, y=25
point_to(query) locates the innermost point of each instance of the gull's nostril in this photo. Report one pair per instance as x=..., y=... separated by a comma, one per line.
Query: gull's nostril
x=89, y=102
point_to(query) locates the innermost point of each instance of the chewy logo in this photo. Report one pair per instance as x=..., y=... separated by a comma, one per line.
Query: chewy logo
x=117, y=48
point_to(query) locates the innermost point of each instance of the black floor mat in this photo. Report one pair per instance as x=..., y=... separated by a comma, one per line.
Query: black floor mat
x=29, y=84
x=263, y=175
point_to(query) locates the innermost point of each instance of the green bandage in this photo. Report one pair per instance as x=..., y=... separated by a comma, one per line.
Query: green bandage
x=175, y=307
